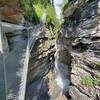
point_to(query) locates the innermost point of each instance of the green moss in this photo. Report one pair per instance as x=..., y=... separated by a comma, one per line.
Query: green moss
x=34, y=10
x=87, y=80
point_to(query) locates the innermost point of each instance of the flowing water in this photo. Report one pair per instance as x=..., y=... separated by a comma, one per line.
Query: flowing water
x=58, y=9
x=61, y=80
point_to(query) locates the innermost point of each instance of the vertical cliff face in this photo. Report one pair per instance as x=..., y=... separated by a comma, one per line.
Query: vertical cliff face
x=81, y=30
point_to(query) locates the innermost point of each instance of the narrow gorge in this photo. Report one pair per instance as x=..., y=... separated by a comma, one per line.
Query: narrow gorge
x=49, y=49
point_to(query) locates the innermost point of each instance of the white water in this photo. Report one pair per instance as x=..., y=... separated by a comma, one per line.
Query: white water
x=58, y=4
x=61, y=78
x=61, y=73
x=58, y=9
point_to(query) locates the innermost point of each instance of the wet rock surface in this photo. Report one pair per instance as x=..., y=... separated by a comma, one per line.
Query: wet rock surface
x=83, y=26
x=65, y=68
x=41, y=61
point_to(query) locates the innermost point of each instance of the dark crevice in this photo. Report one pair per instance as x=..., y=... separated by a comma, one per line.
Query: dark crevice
x=68, y=96
x=80, y=47
x=51, y=47
x=95, y=38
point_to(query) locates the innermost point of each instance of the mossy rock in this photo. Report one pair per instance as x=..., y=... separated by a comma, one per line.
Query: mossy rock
x=87, y=80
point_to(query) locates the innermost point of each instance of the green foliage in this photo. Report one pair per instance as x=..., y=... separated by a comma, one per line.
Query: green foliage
x=65, y=2
x=87, y=80
x=29, y=10
x=34, y=10
x=39, y=10
x=57, y=27
x=36, y=1
x=51, y=16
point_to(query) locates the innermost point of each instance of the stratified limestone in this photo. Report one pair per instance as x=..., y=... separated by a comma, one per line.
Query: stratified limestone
x=81, y=27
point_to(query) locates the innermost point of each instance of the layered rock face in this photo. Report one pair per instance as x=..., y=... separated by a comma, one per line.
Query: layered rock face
x=81, y=29
x=41, y=84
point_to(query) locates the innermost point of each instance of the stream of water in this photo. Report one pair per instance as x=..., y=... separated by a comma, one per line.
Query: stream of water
x=58, y=8
x=61, y=80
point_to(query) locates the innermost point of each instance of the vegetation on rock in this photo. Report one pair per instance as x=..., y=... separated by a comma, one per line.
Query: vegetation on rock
x=87, y=80
x=34, y=10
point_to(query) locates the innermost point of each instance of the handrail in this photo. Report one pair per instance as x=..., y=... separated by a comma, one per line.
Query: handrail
x=8, y=27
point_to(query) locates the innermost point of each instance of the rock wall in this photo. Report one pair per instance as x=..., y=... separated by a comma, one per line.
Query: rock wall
x=82, y=32
x=10, y=11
